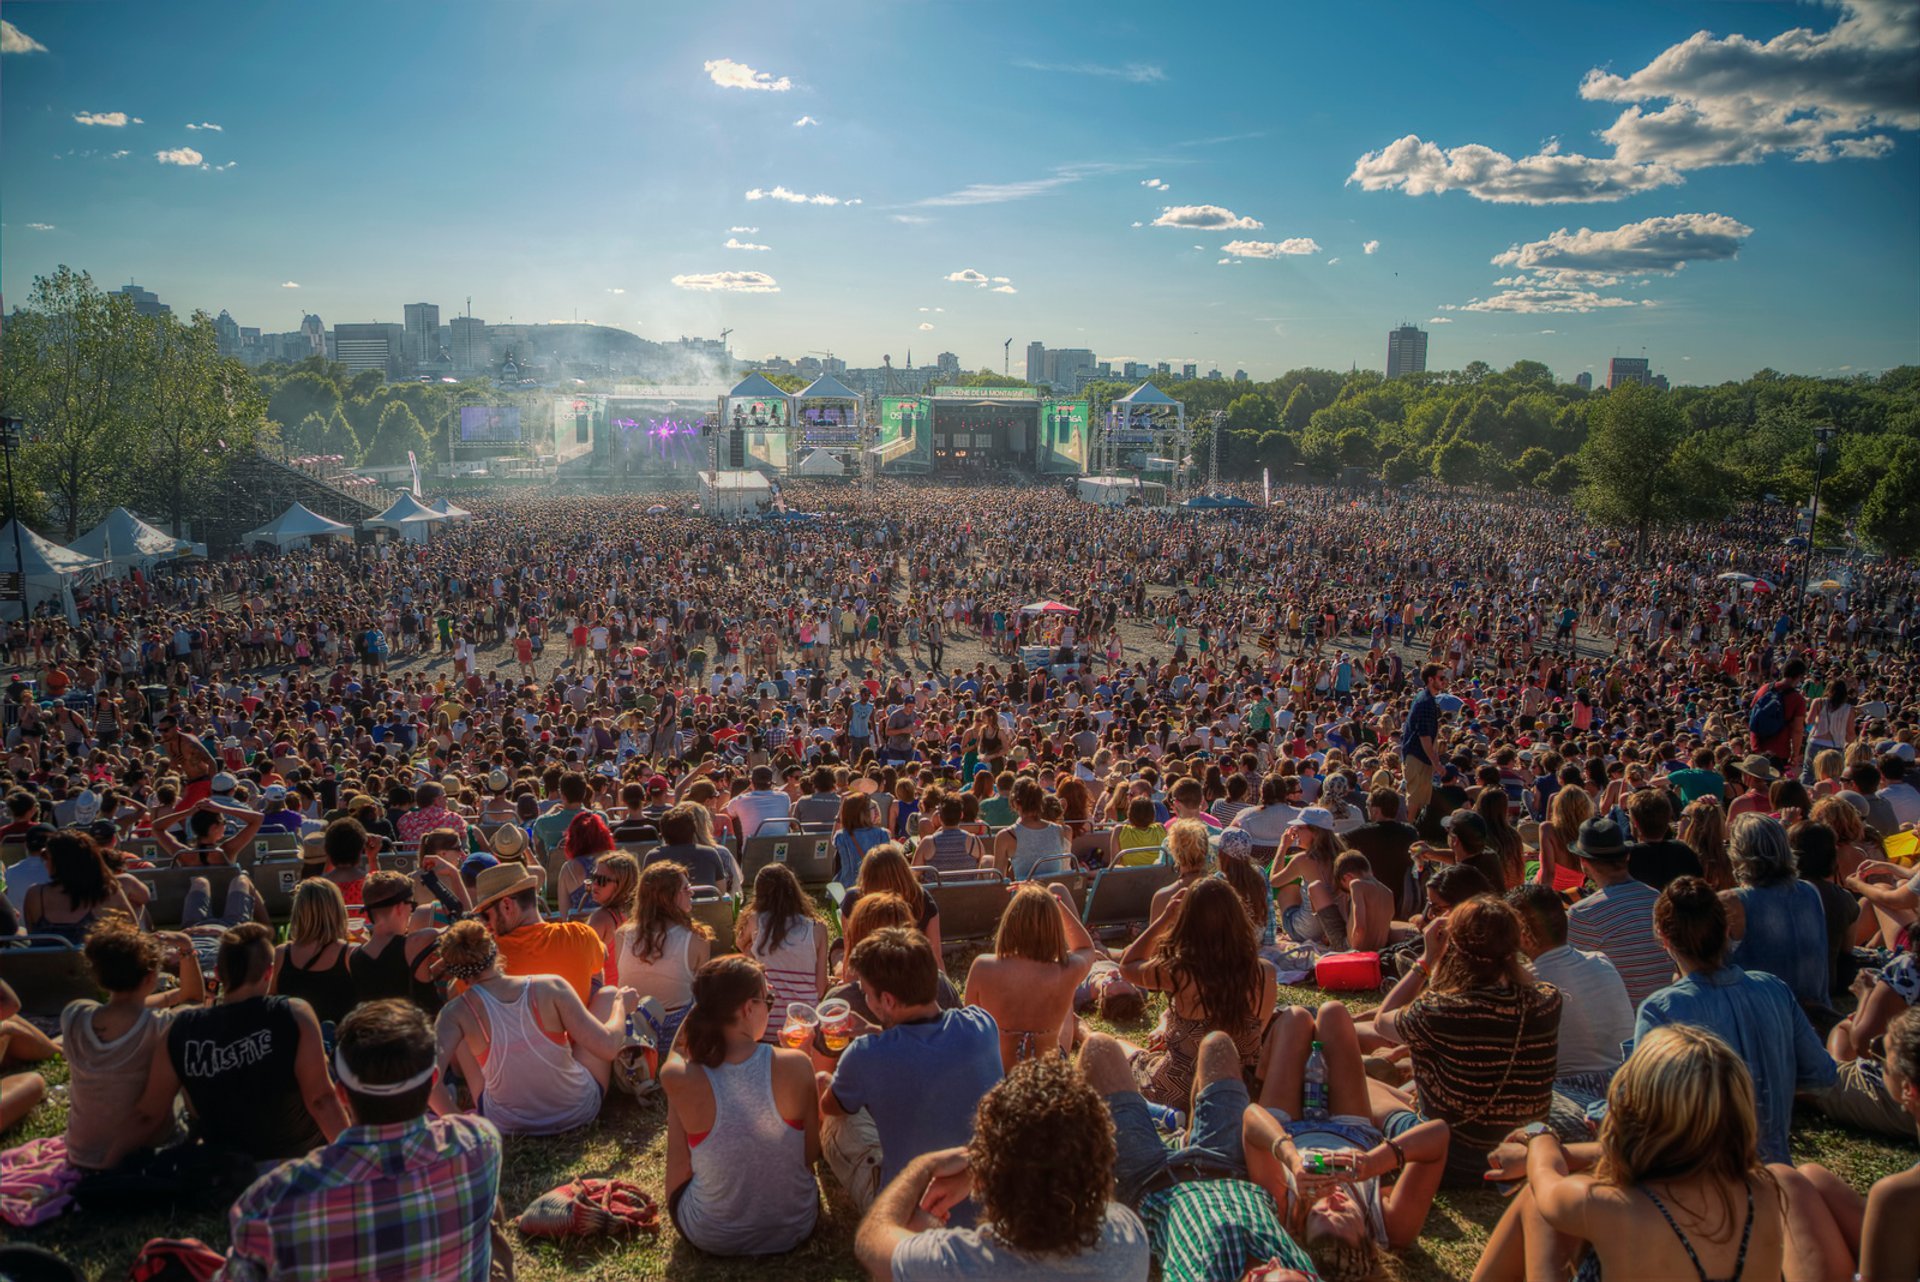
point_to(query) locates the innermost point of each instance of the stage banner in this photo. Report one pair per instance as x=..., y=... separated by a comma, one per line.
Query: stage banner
x=906, y=431
x=1063, y=436
x=987, y=393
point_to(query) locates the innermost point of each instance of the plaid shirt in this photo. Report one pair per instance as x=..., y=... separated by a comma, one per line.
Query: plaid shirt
x=409, y=1200
x=1203, y=1229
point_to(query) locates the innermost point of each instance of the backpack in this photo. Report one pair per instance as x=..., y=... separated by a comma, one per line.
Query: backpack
x=1769, y=715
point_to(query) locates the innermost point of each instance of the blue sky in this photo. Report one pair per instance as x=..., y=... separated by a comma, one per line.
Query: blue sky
x=1748, y=201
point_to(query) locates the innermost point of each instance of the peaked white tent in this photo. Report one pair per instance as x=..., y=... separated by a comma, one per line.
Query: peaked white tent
x=130, y=544
x=736, y=493
x=827, y=388
x=298, y=526
x=445, y=507
x=408, y=517
x=50, y=570
x=820, y=463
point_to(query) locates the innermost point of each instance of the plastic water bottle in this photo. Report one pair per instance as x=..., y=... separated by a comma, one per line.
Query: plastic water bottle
x=1314, y=1093
x=1170, y=1120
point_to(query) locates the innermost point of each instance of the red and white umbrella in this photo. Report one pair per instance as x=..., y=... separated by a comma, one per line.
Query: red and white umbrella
x=1048, y=607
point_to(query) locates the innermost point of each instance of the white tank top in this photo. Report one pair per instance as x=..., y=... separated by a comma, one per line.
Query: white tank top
x=534, y=1086
x=752, y=1192
x=667, y=978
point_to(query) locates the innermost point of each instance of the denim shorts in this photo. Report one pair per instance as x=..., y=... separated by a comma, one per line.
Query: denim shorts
x=1209, y=1150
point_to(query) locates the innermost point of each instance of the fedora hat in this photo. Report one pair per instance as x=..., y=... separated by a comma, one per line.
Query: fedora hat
x=499, y=882
x=1600, y=839
x=508, y=841
x=1758, y=767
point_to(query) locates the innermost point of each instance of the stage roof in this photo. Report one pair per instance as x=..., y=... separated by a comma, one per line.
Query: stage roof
x=755, y=384
x=826, y=388
x=1145, y=394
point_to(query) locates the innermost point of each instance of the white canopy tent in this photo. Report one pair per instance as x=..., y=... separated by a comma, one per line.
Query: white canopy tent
x=296, y=527
x=445, y=507
x=130, y=544
x=408, y=517
x=50, y=571
x=735, y=493
x=820, y=463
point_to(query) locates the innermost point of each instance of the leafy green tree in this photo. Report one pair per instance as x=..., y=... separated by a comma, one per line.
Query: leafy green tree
x=1532, y=464
x=1563, y=477
x=1457, y=463
x=1643, y=467
x=1252, y=412
x=398, y=432
x=1494, y=470
x=1890, y=516
x=305, y=392
x=340, y=438
x=1299, y=409
x=198, y=408
x=1402, y=469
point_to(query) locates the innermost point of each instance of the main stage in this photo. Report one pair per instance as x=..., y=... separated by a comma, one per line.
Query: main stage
x=969, y=430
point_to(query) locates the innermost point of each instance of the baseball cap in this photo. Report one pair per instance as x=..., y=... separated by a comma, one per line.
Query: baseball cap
x=497, y=780
x=658, y=783
x=224, y=782
x=1314, y=817
x=86, y=807
x=274, y=792
x=473, y=865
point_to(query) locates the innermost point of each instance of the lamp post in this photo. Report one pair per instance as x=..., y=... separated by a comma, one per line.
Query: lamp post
x=12, y=432
x=1822, y=435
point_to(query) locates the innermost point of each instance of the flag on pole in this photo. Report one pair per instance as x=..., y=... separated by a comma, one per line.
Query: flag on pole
x=414, y=463
x=1266, y=487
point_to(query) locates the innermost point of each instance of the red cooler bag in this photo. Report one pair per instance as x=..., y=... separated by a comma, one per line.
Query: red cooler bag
x=1347, y=972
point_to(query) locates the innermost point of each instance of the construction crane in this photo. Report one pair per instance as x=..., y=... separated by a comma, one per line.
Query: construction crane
x=1006, y=357
x=723, y=340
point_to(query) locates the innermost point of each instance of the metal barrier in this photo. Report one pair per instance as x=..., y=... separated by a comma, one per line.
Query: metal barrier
x=1121, y=899
x=45, y=972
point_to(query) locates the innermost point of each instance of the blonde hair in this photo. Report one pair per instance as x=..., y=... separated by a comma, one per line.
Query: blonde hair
x=1827, y=765
x=1841, y=817
x=625, y=870
x=319, y=914
x=1187, y=842
x=1030, y=928
x=1706, y=835
x=468, y=950
x=1569, y=808
x=1681, y=1106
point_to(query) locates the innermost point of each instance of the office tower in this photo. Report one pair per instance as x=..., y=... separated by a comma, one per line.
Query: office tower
x=1068, y=368
x=226, y=334
x=949, y=365
x=371, y=346
x=1036, y=361
x=467, y=344
x=1189, y=370
x=1628, y=369
x=1584, y=381
x=422, y=324
x=1239, y=376
x=315, y=333
x=1163, y=369
x=1104, y=369
x=1214, y=376
x=1406, y=351
x=145, y=301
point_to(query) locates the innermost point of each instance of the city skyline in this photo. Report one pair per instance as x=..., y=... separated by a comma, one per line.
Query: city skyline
x=1720, y=186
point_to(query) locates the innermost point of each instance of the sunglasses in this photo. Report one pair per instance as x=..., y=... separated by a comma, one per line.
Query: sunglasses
x=602, y=879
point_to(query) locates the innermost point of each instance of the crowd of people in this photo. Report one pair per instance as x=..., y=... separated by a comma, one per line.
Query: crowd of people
x=1620, y=839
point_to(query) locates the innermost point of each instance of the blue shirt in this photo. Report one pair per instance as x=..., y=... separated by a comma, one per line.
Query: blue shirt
x=860, y=720
x=1785, y=935
x=920, y=1082
x=1423, y=722
x=1754, y=1013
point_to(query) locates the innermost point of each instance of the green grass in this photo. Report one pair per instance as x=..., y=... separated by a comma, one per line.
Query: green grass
x=629, y=1141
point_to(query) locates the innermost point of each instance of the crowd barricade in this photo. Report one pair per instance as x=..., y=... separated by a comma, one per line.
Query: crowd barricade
x=810, y=855
x=11, y=853
x=1121, y=899
x=716, y=910
x=1075, y=880
x=971, y=903
x=638, y=849
x=275, y=879
x=46, y=972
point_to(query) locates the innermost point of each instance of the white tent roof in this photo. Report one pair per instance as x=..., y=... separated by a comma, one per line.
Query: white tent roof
x=826, y=388
x=297, y=522
x=819, y=463
x=445, y=507
x=405, y=510
x=1145, y=394
x=130, y=541
x=735, y=480
x=755, y=384
x=41, y=558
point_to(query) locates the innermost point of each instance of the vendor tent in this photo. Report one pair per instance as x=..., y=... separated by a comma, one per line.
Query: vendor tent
x=408, y=517
x=733, y=493
x=445, y=507
x=296, y=527
x=50, y=570
x=130, y=544
x=1217, y=503
x=819, y=463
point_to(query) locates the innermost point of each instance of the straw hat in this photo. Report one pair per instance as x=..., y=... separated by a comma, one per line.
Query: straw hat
x=508, y=841
x=501, y=882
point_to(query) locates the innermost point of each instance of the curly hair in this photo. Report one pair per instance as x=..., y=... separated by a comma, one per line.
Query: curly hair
x=1042, y=1156
x=1211, y=949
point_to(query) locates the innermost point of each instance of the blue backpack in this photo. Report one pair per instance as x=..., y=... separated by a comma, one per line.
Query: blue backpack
x=1769, y=715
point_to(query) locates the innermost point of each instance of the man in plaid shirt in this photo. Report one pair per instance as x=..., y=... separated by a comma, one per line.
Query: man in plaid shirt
x=397, y=1195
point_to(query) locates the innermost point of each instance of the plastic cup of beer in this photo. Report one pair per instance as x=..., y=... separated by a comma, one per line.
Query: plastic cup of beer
x=836, y=1024
x=802, y=1019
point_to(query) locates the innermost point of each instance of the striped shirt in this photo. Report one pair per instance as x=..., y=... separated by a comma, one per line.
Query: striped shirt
x=1618, y=921
x=1484, y=1063
x=1205, y=1229
x=407, y=1200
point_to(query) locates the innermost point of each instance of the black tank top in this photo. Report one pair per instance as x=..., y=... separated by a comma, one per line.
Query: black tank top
x=376, y=978
x=236, y=1064
x=330, y=991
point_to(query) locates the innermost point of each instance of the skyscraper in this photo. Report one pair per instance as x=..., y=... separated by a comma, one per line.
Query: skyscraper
x=1584, y=381
x=423, y=328
x=467, y=344
x=316, y=335
x=1628, y=369
x=372, y=346
x=226, y=334
x=949, y=365
x=145, y=301
x=1406, y=351
x=1189, y=370
x=1036, y=361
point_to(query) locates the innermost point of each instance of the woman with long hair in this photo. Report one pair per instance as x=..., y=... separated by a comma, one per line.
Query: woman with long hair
x=587, y=838
x=1026, y=845
x=312, y=964
x=1027, y=983
x=536, y=1058
x=1674, y=1187
x=1483, y=1033
x=1703, y=827
x=1302, y=880
x=658, y=951
x=743, y=1121
x=1503, y=839
x=79, y=889
x=857, y=831
x=780, y=929
x=1829, y=726
x=612, y=883
x=1200, y=951
x=885, y=869
x=1570, y=807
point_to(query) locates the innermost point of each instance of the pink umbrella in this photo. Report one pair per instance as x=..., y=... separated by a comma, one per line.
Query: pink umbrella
x=638, y=651
x=1048, y=607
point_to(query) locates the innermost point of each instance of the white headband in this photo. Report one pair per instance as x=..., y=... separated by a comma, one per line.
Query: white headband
x=382, y=1090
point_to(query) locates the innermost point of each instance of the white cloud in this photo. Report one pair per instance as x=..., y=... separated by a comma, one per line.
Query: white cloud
x=1224, y=262
x=138, y=121
x=1155, y=184
x=1270, y=248
x=1652, y=245
x=1543, y=299
x=1139, y=73
x=118, y=155
x=926, y=325
x=744, y=230
x=939, y=309
x=1003, y=289
x=794, y=197
x=926, y=309
x=998, y=193
x=1205, y=218
x=1333, y=260
x=967, y=276
x=14, y=40
x=1439, y=320
x=741, y=244
x=205, y=125
x=616, y=289
x=1138, y=223
x=1549, y=331
x=186, y=156
x=1546, y=178
x=729, y=74
x=729, y=282
x=221, y=169
x=111, y=119
x=289, y=284
x=804, y=121
x=1370, y=247
x=1002, y=280
x=911, y=220
x=39, y=226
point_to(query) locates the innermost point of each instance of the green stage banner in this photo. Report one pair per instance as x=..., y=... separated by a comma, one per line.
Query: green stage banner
x=1063, y=436
x=988, y=393
x=906, y=431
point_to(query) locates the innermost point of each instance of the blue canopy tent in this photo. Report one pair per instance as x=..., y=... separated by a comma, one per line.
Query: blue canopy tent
x=1219, y=503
